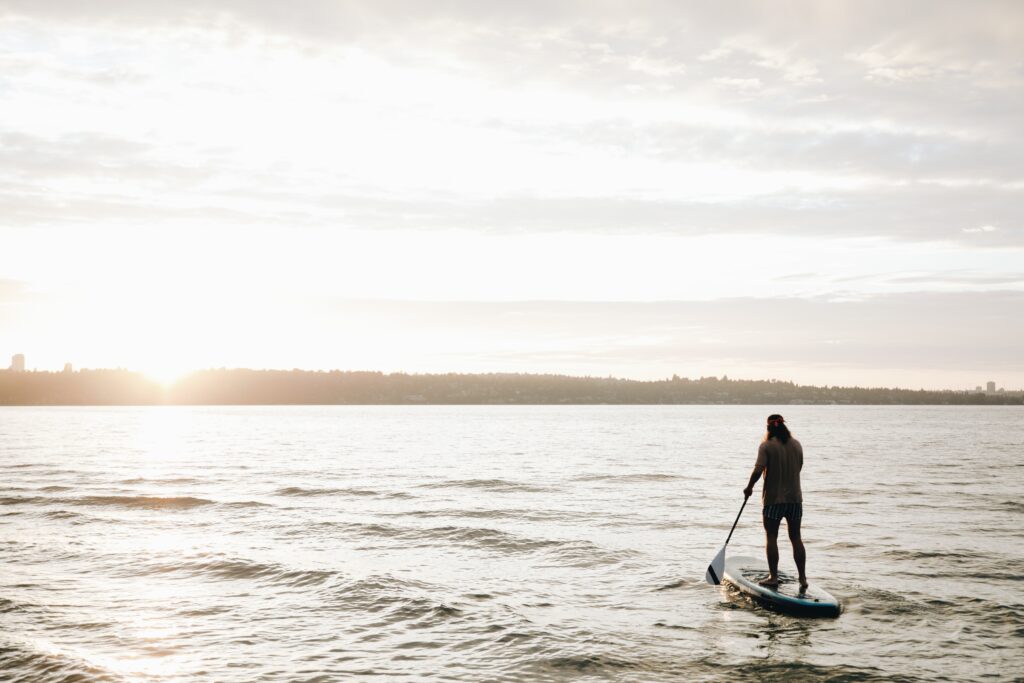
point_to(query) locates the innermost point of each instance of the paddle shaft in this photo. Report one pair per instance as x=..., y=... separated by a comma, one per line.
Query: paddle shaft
x=737, y=519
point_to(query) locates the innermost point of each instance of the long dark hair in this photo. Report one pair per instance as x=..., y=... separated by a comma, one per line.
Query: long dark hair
x=777, y=429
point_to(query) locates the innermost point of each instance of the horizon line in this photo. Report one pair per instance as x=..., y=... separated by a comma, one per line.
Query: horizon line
x=673, y=377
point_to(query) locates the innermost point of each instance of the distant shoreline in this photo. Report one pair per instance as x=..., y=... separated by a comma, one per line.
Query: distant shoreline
x=335, y=387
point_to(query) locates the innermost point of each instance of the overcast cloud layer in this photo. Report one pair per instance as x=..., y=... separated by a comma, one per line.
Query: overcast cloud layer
x=242, y=151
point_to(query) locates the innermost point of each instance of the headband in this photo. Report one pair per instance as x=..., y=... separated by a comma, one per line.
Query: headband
x=776, y=422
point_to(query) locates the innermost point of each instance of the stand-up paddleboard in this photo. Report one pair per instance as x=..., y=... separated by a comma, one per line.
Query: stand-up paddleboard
x=744, y=572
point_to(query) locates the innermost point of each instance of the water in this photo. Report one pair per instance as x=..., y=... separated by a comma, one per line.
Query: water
x=498, y=543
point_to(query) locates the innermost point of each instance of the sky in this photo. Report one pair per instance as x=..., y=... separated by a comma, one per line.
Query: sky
x=827, y=193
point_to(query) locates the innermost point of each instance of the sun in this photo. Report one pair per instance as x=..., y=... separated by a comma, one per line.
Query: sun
x=166, y=375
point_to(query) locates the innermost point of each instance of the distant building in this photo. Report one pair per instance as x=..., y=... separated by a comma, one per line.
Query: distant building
x=990, y=387
x=978, y=388
x=68, y=368
x=18, y=362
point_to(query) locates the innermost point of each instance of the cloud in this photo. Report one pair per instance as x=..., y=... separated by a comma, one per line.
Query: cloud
x=956, y=278
x=644, y=107
x=82, y=178
x=898, y=216
x=12, y=290
x=24, y=156
x=898, y=337
x=17, y=300
x=822, y=121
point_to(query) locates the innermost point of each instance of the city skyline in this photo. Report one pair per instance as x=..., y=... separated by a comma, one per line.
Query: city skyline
x=833, y=194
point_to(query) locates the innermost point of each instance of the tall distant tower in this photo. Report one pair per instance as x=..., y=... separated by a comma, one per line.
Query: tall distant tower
x=990, y=387
x=18, y=362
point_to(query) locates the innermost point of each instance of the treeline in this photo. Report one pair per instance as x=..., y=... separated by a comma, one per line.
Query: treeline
x=82, y=388
x=299, y=387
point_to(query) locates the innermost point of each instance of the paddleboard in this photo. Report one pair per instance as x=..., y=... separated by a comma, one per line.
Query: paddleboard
x=744, y=572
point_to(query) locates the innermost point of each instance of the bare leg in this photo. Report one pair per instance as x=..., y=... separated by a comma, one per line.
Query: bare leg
x=799, y=554
x=771, y=546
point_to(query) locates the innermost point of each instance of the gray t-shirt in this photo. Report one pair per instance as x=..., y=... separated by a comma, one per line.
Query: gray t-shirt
x=782, y=463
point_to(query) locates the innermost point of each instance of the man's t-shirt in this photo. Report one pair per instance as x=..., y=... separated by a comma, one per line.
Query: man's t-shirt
x=782, y=463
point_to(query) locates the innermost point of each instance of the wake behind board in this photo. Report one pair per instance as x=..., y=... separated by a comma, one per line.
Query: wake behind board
x=744, y=572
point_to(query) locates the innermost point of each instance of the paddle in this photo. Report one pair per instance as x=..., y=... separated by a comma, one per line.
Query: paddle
x=717, y=567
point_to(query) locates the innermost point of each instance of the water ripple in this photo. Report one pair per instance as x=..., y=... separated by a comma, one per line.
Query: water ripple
x=237, y=544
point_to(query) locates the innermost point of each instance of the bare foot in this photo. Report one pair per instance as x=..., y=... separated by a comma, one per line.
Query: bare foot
x=803, y=584
x=769, y=582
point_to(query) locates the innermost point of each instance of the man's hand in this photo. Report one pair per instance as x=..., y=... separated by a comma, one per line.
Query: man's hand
x=747, y=491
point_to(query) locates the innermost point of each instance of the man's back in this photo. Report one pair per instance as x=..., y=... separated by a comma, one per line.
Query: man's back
x=782, y=463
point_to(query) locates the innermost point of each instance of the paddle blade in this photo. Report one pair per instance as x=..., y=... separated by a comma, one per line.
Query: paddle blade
x=716, y=569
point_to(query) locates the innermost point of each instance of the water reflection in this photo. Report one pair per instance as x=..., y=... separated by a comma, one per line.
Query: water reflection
x=528, y=543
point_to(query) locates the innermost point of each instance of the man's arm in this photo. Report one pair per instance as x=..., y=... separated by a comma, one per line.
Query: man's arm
x=754, y=476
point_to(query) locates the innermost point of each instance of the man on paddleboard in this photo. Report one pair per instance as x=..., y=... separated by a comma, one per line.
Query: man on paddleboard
x=780, y=458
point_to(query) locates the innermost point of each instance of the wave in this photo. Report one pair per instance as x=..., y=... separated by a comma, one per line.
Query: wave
x=490, y=539
x=1007, y=617
x=1012, y=506
x=298, y=491
x=502, y=485
x=421, y=610
x=7, y=605
x=586, y=554
x=769, y=670
x=171, y=480
x=912, y=555
x=238, y=569
x=688, y=584
x=146, y=502
x=587, y=664
x=392, y=600
x=371, y=529
x=24, y=500
x=303, y=492
x=843, y=545
x=75, y=517
x=555, y=552
x=607, y=665
x=54, y=489
x=204, y=611
x=574, y=552
x=996, y=621
x=519, y=514
x=28, y=664
x=883, y=603
x=628, y=478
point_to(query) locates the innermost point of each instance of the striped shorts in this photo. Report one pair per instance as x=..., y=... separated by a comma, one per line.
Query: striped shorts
x=791, y=512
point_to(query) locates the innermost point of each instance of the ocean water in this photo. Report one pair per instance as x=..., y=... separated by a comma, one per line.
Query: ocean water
x=527, y=543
